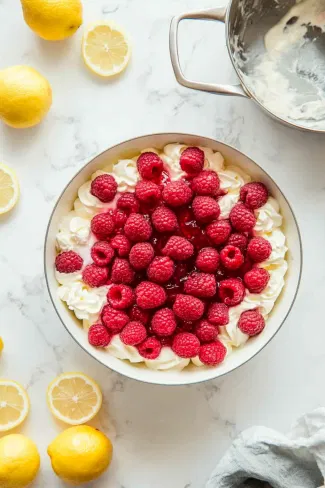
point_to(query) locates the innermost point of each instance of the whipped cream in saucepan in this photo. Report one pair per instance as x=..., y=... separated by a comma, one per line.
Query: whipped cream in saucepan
x=288, y=76
x=74, y=233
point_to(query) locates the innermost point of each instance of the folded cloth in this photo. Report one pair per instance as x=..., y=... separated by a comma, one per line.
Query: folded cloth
x=261, y=457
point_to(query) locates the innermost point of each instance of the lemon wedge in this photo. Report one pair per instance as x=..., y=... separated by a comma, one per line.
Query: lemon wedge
x=74, y=398
x=14, y=404
x=9, y=188
x=105, y=49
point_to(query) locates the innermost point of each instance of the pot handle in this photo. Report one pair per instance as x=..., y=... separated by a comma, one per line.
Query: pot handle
x=218, y=13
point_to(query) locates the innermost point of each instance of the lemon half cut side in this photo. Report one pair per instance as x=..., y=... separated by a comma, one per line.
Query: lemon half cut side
x=105, y=49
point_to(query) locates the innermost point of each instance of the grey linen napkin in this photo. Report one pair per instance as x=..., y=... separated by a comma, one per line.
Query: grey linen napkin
x=261, y=457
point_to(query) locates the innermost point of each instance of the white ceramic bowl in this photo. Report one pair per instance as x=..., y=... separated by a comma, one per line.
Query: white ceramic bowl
x=237, y=357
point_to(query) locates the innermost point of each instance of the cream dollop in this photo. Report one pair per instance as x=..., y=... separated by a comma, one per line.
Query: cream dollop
x=268, y=217
x=171, y=156
x=126, y=174
x=231, y=180
x=277, y=240
x=121, y=351
x=84, y=301
x=167, y=359
x=74, y=231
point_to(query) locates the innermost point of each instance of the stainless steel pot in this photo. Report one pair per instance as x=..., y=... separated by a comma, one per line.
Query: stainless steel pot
x=246, y=22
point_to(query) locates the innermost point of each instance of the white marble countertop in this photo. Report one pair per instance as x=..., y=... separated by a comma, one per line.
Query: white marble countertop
x=163, y=437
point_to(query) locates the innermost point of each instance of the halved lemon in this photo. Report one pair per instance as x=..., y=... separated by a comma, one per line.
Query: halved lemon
x=105, y=49
x=14, y=404
x=9, y=188
x=74, y=398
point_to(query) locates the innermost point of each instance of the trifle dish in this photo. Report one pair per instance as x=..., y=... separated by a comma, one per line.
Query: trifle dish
x=172, y=258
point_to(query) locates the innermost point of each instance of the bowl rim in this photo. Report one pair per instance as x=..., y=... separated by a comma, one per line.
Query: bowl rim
x=178, y=135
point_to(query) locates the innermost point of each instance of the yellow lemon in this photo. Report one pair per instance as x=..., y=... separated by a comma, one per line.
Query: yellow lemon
x=53, y=20
x=74, y=398
x=19, y=461
x=1, y=344
x=25, y=96
x=105, y=49
x=80, y=454
x=14, y=405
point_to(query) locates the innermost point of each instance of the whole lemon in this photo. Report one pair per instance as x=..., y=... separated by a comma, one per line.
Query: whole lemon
x=80, y=454
x=25, y=96
x=19, y=461
x=53, y=20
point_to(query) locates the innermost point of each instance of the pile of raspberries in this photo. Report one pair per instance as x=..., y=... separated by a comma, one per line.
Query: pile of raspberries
x=173, y=268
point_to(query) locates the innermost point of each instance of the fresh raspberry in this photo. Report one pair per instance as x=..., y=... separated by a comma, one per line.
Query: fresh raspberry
x=238, y=240
x=133, y=333
x=259, y=249
x=150, y=348
x=95, y=276
x=120, y=296
x=207, y=260
x=202, y=285
x=104, y=187
x=205, y=209
x=113, y=319
x=137, y=228
x=242, y=218
x=186, y=345
x=149, y=295
x=102, y=253
x=150, y=166
x=192, y=160
x=231, y=257
x=102, y=225
x=141, y=255
x=68, y=262
x=207, y=183
x=219, y=232
x=164, y=322
x=212, y=353
x=99, y=336
x=148, y=192
x=256, y=279
x=218, y=314
x=119, y=218
x=205, y=331
x=161, y=269
x=178, y=248
x=121, y=244
x=164, y=220
x=254, y=195
x=122, y=271
x=177, y=193
x=231, y=291
x=128, y=203
x=187, y=307
x=139, y=315
x=251, y=322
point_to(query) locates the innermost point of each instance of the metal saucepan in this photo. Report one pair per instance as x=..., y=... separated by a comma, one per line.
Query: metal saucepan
x=292, y=90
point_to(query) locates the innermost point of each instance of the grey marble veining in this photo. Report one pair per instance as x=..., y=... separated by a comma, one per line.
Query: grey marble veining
x=162, y=436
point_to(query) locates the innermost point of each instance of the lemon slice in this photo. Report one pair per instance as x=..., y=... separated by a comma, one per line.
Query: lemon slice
x=105, y=49
x=74, y=398
x=9, y=188
x=14, y=404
